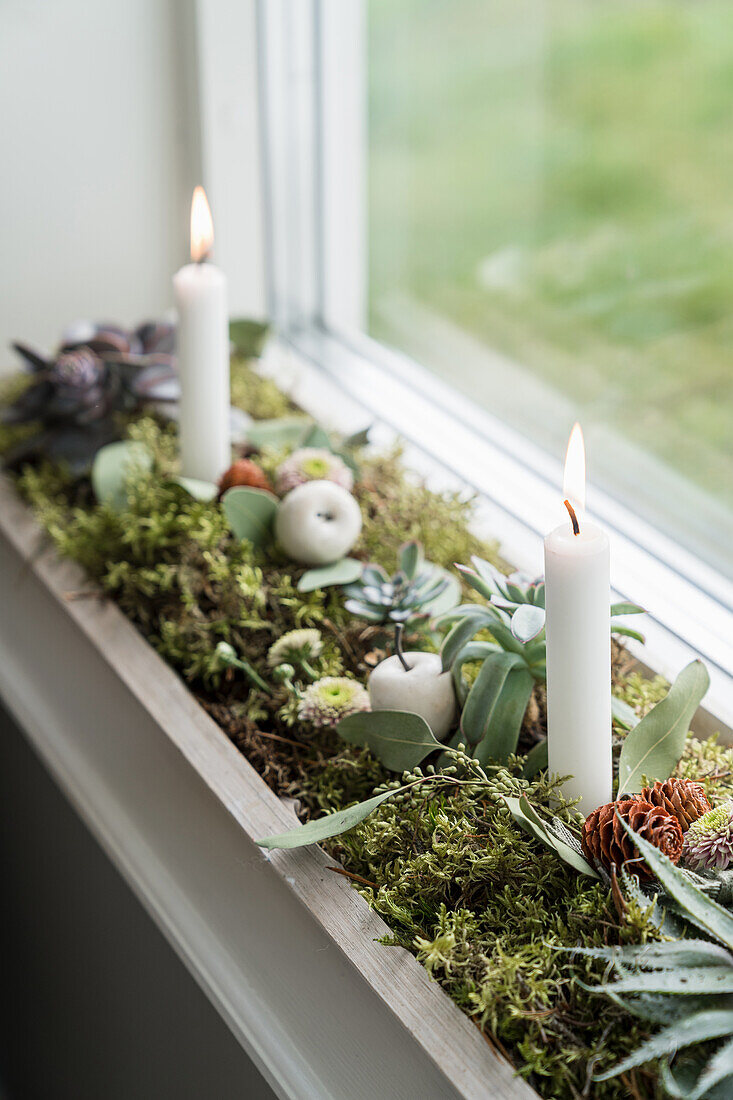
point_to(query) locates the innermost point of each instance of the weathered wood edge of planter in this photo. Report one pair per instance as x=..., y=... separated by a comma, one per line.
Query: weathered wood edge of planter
x=283, y=948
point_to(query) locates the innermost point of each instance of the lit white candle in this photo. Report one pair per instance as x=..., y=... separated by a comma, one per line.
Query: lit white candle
x=203, y=354
x=577, y=600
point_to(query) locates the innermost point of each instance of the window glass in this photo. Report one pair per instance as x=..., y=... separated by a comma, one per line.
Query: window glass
x=551, y=229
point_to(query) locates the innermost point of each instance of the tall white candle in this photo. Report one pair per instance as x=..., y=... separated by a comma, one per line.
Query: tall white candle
x=203, y=354
x=577, y=600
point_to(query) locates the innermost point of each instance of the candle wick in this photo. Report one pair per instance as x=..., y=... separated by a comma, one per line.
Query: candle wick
x=573, y=517
x=398, y=631
x=202, y=259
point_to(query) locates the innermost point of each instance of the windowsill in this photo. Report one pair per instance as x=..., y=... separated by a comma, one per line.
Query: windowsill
x=456, y=445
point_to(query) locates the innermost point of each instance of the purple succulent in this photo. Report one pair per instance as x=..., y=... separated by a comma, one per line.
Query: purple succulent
x=74, y=397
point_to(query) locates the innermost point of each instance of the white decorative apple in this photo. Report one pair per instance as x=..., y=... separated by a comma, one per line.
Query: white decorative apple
x=422, y=688
x=317, y=523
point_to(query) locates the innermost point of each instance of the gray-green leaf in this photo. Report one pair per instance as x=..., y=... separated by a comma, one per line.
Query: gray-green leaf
x=526, y=817
x=527, y=621
x=112, y=467
x=250, y=513
x=285, y=431
x=623, y=714
x=331, y=825
x=398, y=738
x=705, y=912
x=199, y=490
x=248, y=336
x=697, y=1028
x=493, y=712
x=655, y=745
x=345, y=571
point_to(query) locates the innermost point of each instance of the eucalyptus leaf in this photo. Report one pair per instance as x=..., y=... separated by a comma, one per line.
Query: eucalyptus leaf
x=112, y=467
x=286, y=431
x=317, y=437
x=344, y=571
x=358, y=439
x=248, y=337
x=398, y=738
x=199, y=490
x=250, y=513
x=530, y=821
x=331, y=825
x=653, y=748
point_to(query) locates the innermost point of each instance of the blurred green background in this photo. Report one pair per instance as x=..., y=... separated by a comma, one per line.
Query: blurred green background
x=556, y=179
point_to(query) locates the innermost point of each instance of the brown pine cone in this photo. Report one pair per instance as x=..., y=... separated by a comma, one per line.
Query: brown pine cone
x=681, y=797
x=244, y=472
x=605, y=839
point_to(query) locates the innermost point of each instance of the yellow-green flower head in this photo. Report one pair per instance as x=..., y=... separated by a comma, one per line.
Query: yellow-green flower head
x=312, y=464
x=329, y=700
x=295, y=646
x=708, y=844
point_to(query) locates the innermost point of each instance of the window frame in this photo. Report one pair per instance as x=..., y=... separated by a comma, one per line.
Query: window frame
x=314, y=147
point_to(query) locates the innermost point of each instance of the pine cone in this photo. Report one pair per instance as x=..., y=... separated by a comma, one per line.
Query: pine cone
x=246, y=473
x=681, y=797
x=606, y=840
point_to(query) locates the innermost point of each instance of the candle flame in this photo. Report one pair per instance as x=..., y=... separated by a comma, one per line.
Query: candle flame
x=202, y=227
x=573, y=483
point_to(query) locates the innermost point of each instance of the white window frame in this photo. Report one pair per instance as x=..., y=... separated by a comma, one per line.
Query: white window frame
x=312, y=66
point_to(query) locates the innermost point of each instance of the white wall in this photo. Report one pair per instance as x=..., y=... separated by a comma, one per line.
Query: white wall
x=99, y=131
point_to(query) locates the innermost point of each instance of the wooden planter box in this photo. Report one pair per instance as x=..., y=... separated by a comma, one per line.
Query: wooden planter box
x=283, y=948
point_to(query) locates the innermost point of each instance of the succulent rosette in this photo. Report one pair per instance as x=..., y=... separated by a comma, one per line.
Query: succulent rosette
x=708, y=842
x=75, y=396
x=312, y=464
x=330, y=699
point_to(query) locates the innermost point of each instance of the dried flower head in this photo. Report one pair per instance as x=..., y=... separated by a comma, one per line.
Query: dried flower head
x=329, y=700
x=246, y=473
x=312, y=464
x=709, y=840
x=295, y=646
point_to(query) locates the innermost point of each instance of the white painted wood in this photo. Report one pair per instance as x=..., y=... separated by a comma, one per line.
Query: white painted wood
x=284, y=949
x=227, y=80
x=342, y=122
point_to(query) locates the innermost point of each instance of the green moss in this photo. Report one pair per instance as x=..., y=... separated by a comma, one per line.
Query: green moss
x=485, y=908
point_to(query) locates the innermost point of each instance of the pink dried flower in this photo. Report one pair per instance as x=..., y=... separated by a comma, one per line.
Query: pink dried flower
x=708, y=842
x=312, y=464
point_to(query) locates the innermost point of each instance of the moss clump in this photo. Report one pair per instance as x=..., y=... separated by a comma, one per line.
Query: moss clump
x=485, y=908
